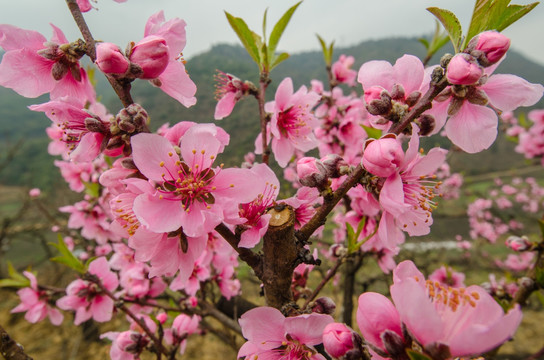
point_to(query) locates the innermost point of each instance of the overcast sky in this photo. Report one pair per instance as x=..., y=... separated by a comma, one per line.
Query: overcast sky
x=348, y=22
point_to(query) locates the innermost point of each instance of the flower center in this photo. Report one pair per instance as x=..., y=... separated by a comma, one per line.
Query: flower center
x=188, y=184
x=450, y=297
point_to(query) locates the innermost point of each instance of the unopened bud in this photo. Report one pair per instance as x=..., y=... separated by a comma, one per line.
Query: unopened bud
x=382, y=157
x=337, y=339
x=413, y=98
x=526, y=282
x=381, y=106
x=59, y=70
x=397, y=92
x=477, y=97
x=132, y=119
x=311, y=172
x=463, y=69
x=445, y=60
x=335, y=165
x=151, y=55
x=324, y=305
x=95, y=125
x=488, y=47
x=394, y=344
x=426, y=124
x=518, y=243
x=110, y=59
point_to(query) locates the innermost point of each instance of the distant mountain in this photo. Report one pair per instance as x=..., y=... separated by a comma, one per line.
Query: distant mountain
x=32, y=166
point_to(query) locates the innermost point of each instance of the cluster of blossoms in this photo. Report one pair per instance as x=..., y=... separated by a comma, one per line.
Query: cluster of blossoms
x=164, y=217
x=529, y=138
x=496, y=216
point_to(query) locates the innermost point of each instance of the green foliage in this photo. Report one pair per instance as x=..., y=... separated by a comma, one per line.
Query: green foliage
x=372, y=133
x=495, y=15
x=487, y=15
x=451, y=24
x=414, y=355
x=438, y=41
x=67, y=258
x=327, y=50
x=15, y=279
x=246, y=36
x=261, y=51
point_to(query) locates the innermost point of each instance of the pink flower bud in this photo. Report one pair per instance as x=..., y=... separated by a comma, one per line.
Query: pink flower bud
x=463, y=69
x=110, y=59
x=518, y=243
x=151, y=55
x=310, y=172
x=337, y=339
x=382, y=157
x=162, y=317
x=373, y=93
x=493, y=44
x=34, y=193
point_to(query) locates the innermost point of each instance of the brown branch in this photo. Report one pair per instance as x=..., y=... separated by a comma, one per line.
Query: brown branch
x=9, y=349
x=209, y=309
x=424, y=104
x=120, y=305
x=354, y=264
x=280, y=256
x=329, y=203
x=263, y=84
x=122, y=86
x=251, y=258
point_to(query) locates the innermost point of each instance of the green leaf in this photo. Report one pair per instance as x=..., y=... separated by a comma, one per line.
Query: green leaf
x=450, y=23
x=495, y=15
x=246, y=36
x=92, y=189
x=327, y=50
x=15, y=279
x=541, y=225
x=264, y=24
x=278, y=59
x=512, y=14
x=67, y=258
x=279, y=28
x=372, y=132
x=350, y=234
x=424, y=42
x=414, y=355
x=540, y=297
x=439, y=39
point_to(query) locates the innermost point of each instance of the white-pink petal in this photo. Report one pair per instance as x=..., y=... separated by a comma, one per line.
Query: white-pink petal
x=473, y=128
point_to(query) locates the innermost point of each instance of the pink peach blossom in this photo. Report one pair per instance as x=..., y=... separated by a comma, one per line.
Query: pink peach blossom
x=173, y=80
x=188, y=192
x=35, y=302
x=33, y=66
x=87, y=299
x=270, y=335
x=292, y=122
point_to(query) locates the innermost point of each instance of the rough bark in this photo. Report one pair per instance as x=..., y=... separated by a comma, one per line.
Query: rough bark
x=10, y=349
x=280, y=254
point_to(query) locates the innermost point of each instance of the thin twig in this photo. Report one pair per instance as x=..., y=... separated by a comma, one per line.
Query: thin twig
x=326, y=279
x=120, y=305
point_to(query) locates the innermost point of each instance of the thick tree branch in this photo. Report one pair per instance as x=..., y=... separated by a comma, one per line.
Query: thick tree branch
x=9, y=349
